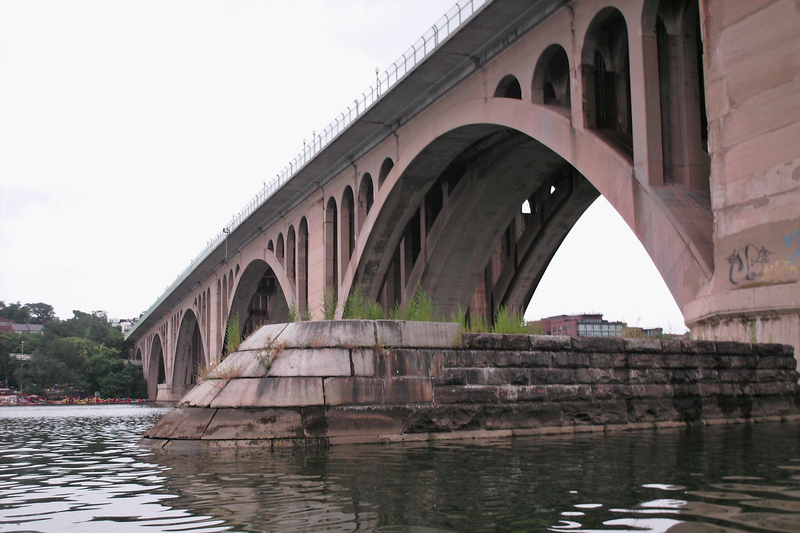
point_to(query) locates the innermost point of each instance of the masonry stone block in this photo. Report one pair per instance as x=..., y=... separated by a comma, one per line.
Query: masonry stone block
x=407, y=390
x=362, y=422
x=568, y=393
x=594, y=412
x=329, y=333
x=363, y=362
x=643, y=345
x=648, y=410
x=409, y=362
x=709, y=389
x=231, y=366
x=601, y=375
x=443, y=418
x=734, y=348
x=451, y=376
x=466, y=394
x=255, y=424
x=565, y=376
x=768, y=361
x=641, y=360
x=354, y=391
x=571, y=360
x=767, y=349
x=315, y=421
x=311, y=362
x=550, y=343
x=698, y=347
x=404, y=334
x=598, y=344
x=203, y=394
x=671, y=346
x=496, y=341
x=604, y=360
x=523, y=393
x=186, y=423
x=271, y=392
x=263, y=337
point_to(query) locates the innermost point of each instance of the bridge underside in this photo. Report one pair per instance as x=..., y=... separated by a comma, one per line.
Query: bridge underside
x=474, y=221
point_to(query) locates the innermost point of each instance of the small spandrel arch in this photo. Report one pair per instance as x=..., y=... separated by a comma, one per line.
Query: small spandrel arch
x=366, y=197
x=509, y=87
x=386, y=167
x=279, y=250
x=551, y=78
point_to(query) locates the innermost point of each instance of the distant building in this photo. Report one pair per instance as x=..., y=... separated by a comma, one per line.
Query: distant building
x=125, y=324
x=586, y=325
x=8, y=325
x=28, y=328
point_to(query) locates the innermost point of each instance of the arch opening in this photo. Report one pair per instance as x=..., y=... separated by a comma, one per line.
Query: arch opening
x=348, y=226
x=291, y=256
x=302, y=262
x=157, y=372
x=279, y=250
x=259, y=299
x=386, y=167
x=366, y=198
x=684, y=124
x=606, y=75
x=189, y=354
x=509, y=87
x=551, y=78
x=331, y=247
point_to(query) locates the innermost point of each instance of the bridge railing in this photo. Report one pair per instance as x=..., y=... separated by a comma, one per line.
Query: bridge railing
x=454, y=18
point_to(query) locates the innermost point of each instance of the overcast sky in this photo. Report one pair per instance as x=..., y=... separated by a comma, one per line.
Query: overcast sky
x=132, y=131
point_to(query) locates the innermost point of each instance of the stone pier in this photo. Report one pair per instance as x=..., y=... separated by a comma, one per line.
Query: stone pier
x=336, y=382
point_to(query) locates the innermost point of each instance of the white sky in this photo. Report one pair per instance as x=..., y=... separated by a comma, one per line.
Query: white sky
x=132, y=130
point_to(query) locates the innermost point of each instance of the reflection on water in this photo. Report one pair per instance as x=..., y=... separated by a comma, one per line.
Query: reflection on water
x=79, y=469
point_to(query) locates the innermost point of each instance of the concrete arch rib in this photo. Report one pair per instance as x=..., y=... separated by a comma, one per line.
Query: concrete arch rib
x=609, y=171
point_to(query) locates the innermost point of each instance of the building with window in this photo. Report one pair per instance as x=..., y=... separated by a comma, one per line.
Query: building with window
x=586, y=325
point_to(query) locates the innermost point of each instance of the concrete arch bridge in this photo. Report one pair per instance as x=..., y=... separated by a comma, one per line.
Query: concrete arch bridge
x=475, y=156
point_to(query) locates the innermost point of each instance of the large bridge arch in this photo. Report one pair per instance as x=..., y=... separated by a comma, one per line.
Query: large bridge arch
x=189, y=353
x=679, y=260
x=262, y=294
x=155, y=367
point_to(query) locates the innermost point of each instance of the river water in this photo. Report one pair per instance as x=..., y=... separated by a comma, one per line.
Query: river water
x=79, y=468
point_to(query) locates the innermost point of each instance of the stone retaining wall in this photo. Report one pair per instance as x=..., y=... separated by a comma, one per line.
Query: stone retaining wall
x=374, y=381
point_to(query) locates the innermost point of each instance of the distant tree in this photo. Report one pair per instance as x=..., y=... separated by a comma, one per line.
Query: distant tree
x=8, y=364
x=40, y=312
x=83, y=352
x=16, y=312
x=42, y=372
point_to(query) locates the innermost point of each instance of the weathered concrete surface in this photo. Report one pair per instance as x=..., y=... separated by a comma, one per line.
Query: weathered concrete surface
x=487, y=385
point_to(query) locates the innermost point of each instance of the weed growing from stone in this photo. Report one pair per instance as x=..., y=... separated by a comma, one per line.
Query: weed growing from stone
x=233, y=334
x=293, y=314
x=508, y=322
x=359, y=307
x=268, y=354
x=328, y=302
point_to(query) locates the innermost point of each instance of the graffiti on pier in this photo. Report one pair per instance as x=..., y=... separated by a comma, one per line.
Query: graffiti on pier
x=781, y=272
x=788, y=239
x=747, y=263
